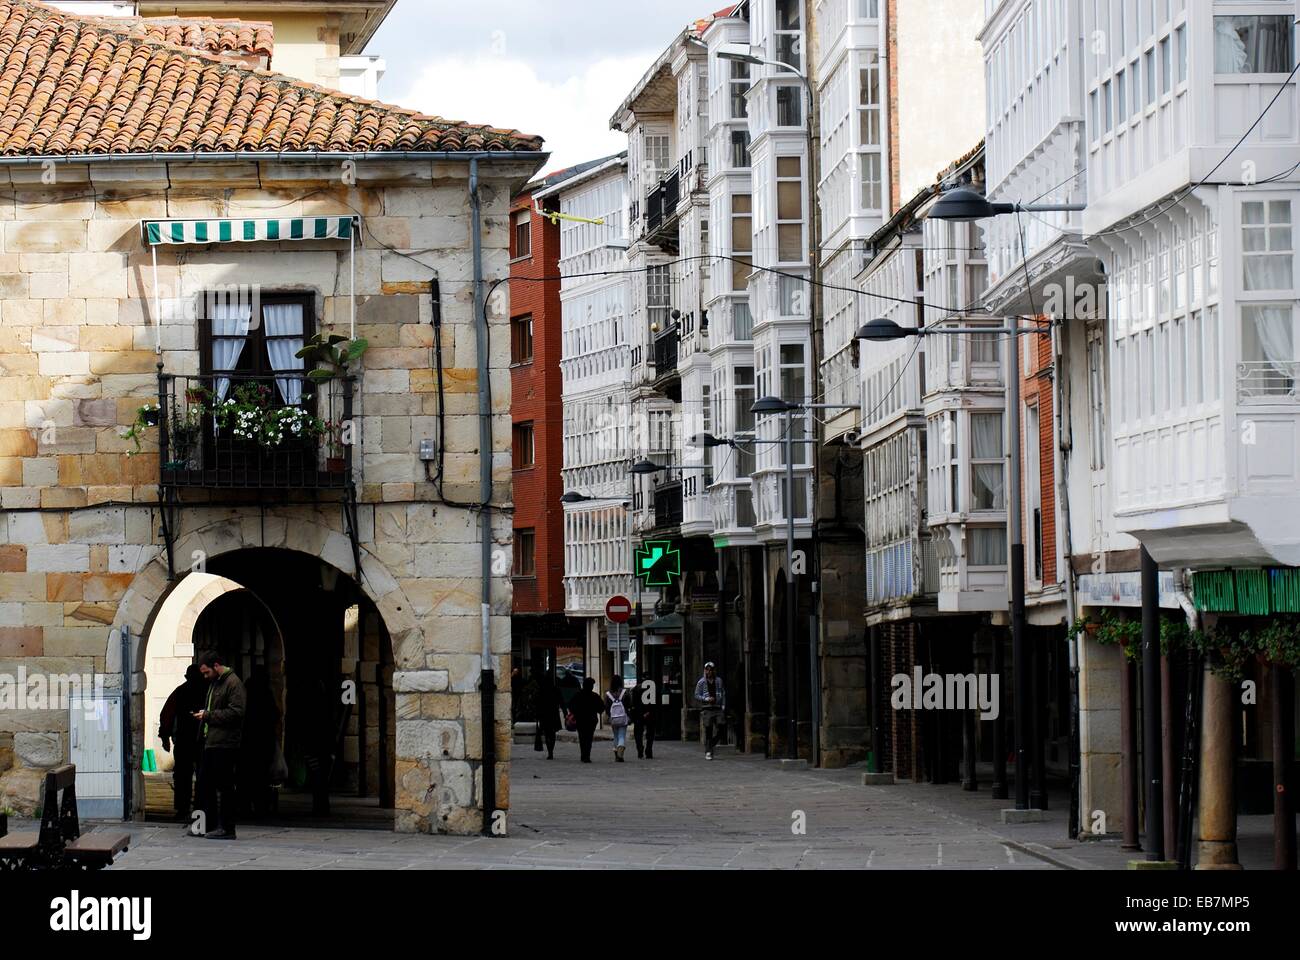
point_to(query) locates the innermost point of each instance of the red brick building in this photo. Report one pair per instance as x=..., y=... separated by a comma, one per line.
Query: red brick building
x=537, y=417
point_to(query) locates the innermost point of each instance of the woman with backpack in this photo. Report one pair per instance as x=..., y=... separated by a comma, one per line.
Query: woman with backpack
x=619, y=708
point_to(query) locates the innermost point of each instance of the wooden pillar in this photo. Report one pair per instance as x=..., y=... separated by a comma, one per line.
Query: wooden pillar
x=1283, y=697
x=1128, y=754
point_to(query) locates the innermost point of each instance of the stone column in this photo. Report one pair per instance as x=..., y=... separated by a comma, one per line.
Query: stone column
x=1217, y=846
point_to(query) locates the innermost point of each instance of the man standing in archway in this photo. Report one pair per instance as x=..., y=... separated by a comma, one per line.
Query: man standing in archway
x=223, y=727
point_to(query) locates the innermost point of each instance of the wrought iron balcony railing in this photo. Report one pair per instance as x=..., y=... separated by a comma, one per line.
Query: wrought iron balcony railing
x=279, y=431
x=666, y=345
x=668, y=505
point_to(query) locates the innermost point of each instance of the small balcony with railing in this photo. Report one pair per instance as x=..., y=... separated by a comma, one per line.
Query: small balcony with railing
x=661, y=211
x=280, y=432
x=901, y=573
x=668, y=505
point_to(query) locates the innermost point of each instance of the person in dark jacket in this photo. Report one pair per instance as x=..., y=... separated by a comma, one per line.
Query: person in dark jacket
x=179, y=733
x=550, y=712
x=643, y=715
x=222, y=718
x=587, y=708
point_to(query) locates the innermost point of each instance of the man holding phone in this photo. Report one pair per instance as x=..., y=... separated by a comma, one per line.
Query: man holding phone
x=223, y=726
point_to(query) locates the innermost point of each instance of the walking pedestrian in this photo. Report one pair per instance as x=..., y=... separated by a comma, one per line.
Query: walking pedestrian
x=550, y=712
x=586, y=708
x=223, y=723
x=643, y=713
x=179, y=733
x=618, y=706
x=712, y=698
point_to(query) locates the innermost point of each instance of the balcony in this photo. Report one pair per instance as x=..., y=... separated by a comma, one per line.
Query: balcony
x=668, y=505
x=661, y=203
x=243, y=433
x=666, y=348
x=907, y=570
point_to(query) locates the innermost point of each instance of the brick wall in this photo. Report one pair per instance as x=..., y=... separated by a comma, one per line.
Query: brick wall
x=536, y=389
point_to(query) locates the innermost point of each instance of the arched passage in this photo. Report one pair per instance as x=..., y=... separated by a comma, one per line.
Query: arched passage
x=183, y=627
x=341, y=639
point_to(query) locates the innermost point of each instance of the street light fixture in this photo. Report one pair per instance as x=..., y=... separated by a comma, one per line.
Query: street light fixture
x=574, y=497
x=964, y=205
x=885, y=330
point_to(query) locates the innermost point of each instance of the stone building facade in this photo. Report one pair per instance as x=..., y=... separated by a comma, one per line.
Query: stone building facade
x=92, y=328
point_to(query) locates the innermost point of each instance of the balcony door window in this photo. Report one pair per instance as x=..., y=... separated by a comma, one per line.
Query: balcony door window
x=249, y=340
x=1268, y=349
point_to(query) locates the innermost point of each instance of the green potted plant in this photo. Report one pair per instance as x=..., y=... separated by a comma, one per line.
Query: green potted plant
x=335, y=453
x=1113, y=629
x=335, y=352
x=146, y=416
x=185, y=431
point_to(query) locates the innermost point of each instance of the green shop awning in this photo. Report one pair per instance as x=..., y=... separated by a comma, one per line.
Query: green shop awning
x=175, y=232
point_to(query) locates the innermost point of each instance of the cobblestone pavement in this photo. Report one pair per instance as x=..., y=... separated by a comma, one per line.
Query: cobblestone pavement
x=677, y=811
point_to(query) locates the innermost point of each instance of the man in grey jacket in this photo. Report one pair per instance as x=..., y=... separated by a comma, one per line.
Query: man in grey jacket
x=712, y=699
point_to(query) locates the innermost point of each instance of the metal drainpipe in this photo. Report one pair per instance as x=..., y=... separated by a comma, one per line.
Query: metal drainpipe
x=487, y=683
x=1063, y=449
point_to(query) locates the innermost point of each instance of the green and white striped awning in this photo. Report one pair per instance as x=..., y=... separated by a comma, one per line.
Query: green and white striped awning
x=175, y=232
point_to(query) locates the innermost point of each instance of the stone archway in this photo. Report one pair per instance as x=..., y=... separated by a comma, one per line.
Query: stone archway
x=165, y=661
x=145, y=612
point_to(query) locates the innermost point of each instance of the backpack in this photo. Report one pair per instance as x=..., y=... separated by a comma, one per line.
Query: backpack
x=617, y=712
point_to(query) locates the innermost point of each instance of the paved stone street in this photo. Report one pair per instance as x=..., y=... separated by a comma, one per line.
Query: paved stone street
x=677, y=811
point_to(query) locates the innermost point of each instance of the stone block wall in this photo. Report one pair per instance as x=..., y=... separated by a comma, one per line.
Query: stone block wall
x=80, y=550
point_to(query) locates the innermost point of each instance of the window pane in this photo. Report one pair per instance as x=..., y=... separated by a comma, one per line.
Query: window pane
x=789, y=200
x=988, y=547
x=789, y=239
x=1253, y=44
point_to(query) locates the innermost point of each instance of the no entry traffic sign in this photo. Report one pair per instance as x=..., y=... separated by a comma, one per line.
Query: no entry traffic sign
x=619, y=609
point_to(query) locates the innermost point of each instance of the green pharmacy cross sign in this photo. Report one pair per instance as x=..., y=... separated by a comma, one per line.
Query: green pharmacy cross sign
x=657, y=563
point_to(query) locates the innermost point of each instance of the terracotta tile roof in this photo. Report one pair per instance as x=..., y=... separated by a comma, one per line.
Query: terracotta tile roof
x=204, y=33
x=73, y=85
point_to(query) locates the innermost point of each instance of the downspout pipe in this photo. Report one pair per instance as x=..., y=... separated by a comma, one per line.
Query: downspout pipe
x=1064, y=448
x=487, y=683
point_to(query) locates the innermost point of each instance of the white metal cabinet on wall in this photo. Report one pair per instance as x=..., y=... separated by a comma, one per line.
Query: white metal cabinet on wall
x=95, y=732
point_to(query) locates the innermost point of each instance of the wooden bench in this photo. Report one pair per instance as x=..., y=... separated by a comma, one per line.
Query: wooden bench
x=60, y=844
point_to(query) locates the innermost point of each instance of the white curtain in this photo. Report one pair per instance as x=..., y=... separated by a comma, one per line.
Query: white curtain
x=229, y=336
x=989, y=478
x=1272, y=329
x=1252, y=44
x=285, y=320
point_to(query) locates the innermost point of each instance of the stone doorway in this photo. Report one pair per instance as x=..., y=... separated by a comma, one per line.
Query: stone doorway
x=317, y=661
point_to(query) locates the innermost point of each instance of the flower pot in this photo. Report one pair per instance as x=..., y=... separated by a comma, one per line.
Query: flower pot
x=335, y=464
x=151, y=417
x=1091, y=628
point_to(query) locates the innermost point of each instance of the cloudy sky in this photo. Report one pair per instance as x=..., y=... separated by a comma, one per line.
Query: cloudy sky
x=558, y=68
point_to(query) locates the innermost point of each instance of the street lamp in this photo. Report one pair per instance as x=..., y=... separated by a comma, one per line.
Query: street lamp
x=765, y=406
x=879, y=331
x=769, y=406
x=573, y=497
x=965, y=206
